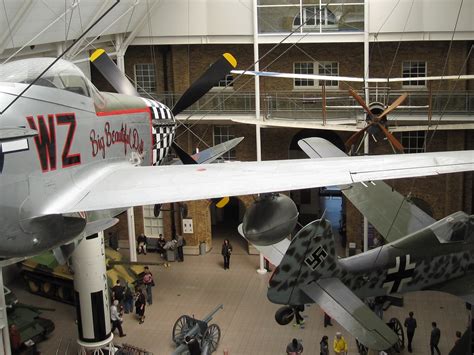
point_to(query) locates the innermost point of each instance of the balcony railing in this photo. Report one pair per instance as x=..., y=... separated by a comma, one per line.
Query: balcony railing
x=339, y=105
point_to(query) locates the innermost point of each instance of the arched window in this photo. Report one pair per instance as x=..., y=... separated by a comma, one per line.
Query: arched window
x=315, y=17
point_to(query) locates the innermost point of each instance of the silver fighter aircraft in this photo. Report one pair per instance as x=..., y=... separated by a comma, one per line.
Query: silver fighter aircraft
x=421, y=254
x=72, y=158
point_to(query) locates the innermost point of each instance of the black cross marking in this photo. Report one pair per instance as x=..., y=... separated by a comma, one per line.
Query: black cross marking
x=403, y=270
x=316, y=258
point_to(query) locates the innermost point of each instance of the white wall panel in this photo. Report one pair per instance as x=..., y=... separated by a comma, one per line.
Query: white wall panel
x=426, y=16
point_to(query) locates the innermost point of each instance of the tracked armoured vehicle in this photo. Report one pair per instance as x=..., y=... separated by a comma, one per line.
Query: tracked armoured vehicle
x=44, y=276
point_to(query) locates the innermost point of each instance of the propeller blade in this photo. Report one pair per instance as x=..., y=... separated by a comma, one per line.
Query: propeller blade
x=355, y=137
x=112, y=73
x=392, y=107
x=157, y=210
x=361, y=102
x=210, y=78
x=396, y=144
x=182, y=155
x=222, y=202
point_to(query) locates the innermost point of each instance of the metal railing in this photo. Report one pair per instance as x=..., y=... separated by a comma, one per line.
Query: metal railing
x=339, y=104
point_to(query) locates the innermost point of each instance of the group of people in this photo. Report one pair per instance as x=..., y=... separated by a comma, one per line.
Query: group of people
x=435, y=335
x=124, y=299
x=339, y=346
x=162, y=245
x=295, y=347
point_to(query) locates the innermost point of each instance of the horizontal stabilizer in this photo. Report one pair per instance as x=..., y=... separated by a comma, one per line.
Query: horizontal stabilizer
x=273, y=253
x=99, y=226
x=210, y=154
x=350, y=312
x=391, y=214
x=9, y=134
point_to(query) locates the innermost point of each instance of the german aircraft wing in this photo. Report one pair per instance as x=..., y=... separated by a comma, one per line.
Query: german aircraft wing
x=349, y=311
x=124, y=185
x=392, y=214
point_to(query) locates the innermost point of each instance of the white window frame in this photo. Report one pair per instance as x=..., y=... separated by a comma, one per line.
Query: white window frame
x=223, y=137
x=304, y=87
x=152, y=225
x=414, y=84
x=144, y=86
x=321, y=70
x=413, y=141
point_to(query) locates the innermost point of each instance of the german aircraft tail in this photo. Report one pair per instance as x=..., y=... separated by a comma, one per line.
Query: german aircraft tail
x=311, y=256
x=310, y=272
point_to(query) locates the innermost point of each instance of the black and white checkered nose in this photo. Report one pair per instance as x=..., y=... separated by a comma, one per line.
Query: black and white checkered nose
x=163, y=130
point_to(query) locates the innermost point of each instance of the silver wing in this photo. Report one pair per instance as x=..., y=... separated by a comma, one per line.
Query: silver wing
x=123, y=185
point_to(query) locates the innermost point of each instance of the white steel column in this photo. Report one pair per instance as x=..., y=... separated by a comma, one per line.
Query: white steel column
x=131, y=234
x=366, y=84
x=120, y=52
x=256, y=56
x=130, y=215
x=5, y=335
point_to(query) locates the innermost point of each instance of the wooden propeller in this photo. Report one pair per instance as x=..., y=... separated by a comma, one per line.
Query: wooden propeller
x=375, y=121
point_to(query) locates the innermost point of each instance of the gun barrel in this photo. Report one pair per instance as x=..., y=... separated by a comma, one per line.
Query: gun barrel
x=208, y=318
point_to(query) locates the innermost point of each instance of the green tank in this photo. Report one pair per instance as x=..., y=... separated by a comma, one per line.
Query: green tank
x=44, y=276
x=27, y=319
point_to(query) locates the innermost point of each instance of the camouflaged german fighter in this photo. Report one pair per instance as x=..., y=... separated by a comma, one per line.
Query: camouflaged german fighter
x=421, y=254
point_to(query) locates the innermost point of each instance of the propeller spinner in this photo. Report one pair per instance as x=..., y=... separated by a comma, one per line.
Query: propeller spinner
x=376, y=120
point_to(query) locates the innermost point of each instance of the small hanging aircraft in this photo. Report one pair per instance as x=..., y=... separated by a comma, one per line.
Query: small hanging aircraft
x=421, y=254
x=72, y=158
x=376, y=112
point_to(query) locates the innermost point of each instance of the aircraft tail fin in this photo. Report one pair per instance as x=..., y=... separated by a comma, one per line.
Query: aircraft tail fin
x=392, y=214
x=310, y=256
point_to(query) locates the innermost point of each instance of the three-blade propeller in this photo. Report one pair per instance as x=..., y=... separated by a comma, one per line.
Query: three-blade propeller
x=376, y=121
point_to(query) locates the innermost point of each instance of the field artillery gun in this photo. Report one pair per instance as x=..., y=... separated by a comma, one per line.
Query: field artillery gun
x=189, y=328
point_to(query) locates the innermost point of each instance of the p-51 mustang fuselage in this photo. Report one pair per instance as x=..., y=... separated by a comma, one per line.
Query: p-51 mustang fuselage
x=78, y=131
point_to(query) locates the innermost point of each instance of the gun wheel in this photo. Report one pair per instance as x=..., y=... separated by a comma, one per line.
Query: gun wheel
x=363, y=350
x=396, y=326
x=180, y=328
x=212, y=336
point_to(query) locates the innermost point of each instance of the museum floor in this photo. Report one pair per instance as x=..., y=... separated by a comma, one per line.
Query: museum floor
x=200, y=283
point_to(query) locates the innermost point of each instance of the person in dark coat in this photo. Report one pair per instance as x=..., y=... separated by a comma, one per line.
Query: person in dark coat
x=324, y=346
x=140, y=305
x=299, y=321
x=118, y=292
x=434, y=339
x=179, y=245
x=226, y=251
x=295, y=347
x=193, y=345
x=142, y=242
x=327, y=320
x=410, y=324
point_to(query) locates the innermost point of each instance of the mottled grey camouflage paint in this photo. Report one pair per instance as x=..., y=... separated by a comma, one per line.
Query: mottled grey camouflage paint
x=429, y=259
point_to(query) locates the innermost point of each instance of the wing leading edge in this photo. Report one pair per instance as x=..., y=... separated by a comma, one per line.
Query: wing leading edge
x=123, y=185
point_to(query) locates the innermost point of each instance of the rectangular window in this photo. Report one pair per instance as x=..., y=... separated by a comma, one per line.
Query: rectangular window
x=303, y=68
x=413, y=142
x=414, y=69
x=222, y=134
x=323, y=68
x=153, y=225
x=329, y=68
x=145, y=79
